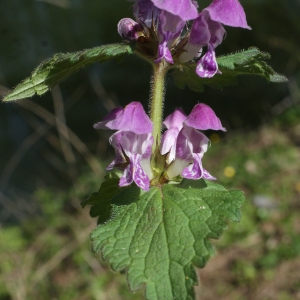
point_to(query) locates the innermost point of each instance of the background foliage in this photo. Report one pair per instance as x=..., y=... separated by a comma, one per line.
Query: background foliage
x=47, y=143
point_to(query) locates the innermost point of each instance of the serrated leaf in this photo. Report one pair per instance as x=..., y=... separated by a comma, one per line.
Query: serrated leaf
x=159, y=236
x=248, y=62
x=101, y=201
x=61, y=65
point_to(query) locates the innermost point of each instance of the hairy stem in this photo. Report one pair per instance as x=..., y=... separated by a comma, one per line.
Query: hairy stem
x=157, y=99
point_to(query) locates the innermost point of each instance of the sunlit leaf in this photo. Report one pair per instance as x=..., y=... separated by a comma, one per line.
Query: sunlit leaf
x=248, y=62
x=61, y=65
x=159, y=236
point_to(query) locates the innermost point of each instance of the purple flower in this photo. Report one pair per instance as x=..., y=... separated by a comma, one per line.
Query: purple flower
x=207, y=30
x=185, y=145
x=170, y=27
x=129, y=29
x=168, y=17
x=182, y=143
x=165, y=20
x=132, y=142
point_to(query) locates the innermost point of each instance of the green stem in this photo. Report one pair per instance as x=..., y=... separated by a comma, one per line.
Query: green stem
x=157, y=99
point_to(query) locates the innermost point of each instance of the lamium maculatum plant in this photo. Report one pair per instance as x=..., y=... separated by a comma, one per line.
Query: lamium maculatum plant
x=158, y=205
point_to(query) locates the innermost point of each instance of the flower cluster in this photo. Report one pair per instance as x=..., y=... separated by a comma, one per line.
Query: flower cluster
x=132, y=142
x=164, y=23
x=182, y=144
x=185, y=145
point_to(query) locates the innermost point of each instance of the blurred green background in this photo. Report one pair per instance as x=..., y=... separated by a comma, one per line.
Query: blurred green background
x=51, y=157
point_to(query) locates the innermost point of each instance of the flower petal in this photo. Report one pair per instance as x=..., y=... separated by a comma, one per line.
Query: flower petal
x=183, y=156
x=164, y=53
x=185, y=9
x=115, y=140
x=132, y=118
x=207, y=176
x=145, y=11
x=134, y=172
x=169, y=29
x=137, y=144
x=108, y=120
x=137, y=150
x=139, y=175
x=199, y=37
x=202, y=117
x=129, y=29
x=170, y=24
x=184, y=147
x=207, y=66
x=228, y=12
x=175, y=119
x=176, y=167
x=168, y=143
x=195, y=170
x=216, y=29
x=127, y=177
x=198, y=141
x=146, y=166
x=204, y=31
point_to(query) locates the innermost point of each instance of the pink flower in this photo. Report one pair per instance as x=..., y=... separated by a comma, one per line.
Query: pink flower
x=207, y=30
x=182, y=143
x=167, y=19
x=132, y=142
x=185, y=145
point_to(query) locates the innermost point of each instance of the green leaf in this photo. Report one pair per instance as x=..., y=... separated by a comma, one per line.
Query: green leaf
x=61, y=65
x=159, y=236
x=248, y=62
x=101, y=201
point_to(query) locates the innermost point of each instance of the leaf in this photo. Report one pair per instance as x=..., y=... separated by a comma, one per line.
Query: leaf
x=248, y=62
x=61, y=65
x=159, y=236
x=101, y=201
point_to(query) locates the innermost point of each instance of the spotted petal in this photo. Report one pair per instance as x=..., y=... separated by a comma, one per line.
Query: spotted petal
x=134, y=172
x=207, y=66
x=195, y=170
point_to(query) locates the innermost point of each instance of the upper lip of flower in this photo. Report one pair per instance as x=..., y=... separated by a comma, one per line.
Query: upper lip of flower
x=185, y=9
x=131, y=118
x=228, y=12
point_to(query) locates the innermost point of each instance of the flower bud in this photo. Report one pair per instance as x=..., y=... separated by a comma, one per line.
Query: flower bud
x=129, y=29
